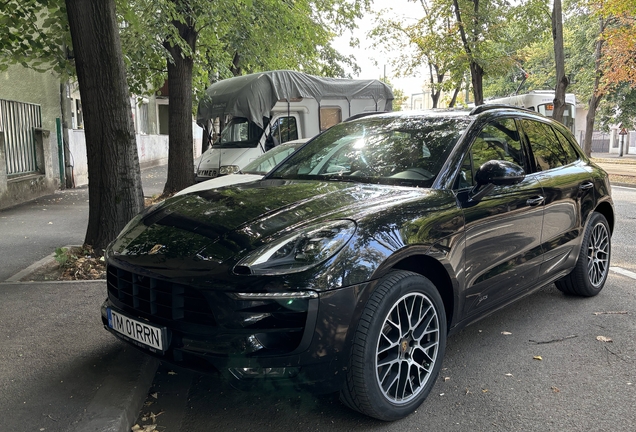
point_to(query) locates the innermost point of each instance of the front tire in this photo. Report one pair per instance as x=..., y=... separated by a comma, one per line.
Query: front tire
x=398, y=348
x=592, y=266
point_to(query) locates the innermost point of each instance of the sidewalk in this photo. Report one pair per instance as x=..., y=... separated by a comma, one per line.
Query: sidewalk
x=622, y=170
x=33, y=230
x=59, y=369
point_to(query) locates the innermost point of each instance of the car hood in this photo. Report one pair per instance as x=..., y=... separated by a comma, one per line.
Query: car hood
x=226, y=180
x=216, y=225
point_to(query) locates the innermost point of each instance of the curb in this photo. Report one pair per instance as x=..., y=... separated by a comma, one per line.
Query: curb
x=36, y=265
x=30, y=269
x=117, y=403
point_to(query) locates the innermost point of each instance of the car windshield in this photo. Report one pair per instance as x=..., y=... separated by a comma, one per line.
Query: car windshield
x=388, y=150
x=266, y=162
x=239, y=133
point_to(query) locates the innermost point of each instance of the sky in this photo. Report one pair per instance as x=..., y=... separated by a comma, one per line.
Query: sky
x=365, y=55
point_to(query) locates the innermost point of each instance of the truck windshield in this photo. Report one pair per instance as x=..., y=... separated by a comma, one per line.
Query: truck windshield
x=239, y=133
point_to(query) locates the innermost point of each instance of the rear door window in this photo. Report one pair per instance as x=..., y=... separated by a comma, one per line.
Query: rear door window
x=549, y=150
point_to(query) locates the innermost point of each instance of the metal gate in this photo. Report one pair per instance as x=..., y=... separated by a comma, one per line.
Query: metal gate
x=17, y=121
x=600, y=142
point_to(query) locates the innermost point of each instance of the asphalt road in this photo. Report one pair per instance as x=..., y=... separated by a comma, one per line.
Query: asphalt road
x=490, y=381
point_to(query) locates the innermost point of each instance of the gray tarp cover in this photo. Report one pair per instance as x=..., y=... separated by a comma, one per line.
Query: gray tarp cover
x=253, y=96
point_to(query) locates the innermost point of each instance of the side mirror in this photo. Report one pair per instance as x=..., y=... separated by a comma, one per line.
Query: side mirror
x=495, y=173
x=499, y=173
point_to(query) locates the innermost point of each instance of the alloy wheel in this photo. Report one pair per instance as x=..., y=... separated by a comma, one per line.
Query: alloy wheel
x=407, y=348
x=598, y=254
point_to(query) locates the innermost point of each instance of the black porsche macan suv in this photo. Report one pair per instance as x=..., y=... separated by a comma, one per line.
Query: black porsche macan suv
x=347, y=267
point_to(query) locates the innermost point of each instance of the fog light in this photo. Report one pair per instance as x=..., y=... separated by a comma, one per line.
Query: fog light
x=284, y=372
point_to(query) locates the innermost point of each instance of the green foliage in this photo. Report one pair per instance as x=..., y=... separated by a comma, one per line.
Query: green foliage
x=35, y=35
x=536, y=58
x=61, y=256
x=492, y=40
x=398, y=95
x=234, y=37
x=619, y=108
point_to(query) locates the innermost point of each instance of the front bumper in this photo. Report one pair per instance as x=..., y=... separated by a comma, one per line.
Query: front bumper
x=305, y=342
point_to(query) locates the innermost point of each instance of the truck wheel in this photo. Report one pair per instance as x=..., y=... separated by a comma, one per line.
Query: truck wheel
x=398, y=348
x=592, y=266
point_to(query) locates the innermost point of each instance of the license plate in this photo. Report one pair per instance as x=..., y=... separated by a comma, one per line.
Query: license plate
x=139, y=331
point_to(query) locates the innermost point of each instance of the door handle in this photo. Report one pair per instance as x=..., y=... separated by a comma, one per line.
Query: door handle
x=535, y=201
x=586, y=185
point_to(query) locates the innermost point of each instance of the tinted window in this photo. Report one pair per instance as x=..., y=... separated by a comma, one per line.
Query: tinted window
x=499, y=140
x=572, y=155
x=546, y=147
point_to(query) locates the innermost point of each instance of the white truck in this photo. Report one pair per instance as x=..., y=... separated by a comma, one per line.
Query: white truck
x=270, y=108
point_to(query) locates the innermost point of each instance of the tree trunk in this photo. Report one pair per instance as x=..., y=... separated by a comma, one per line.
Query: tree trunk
x=435, y=94
x=453, y=100
x=476, y=71
x=477, y=80
x=589, y=123
x=180, y=150
x=114, y=187
x=235, y=68
x=597, y=95
x=562, y=80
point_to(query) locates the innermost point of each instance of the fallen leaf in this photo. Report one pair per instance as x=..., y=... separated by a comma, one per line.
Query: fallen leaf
x=446, y=379
x=537, y=358
x=156, y=248
x=154, y=416
x=172, y=373
x=50, y=223
x=603, y=339
x=484, y=390
x=154, y=395
x=508, y=374
x=505, y=333
x=441, y=394
x=555, y=389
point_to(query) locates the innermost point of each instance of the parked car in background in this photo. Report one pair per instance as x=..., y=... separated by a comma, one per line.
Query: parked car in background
x=253, y=171
x=348, y=266
x=266, y=109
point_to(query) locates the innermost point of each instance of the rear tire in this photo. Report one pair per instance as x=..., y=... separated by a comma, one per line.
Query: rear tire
x=398, y=348
x=588, y=276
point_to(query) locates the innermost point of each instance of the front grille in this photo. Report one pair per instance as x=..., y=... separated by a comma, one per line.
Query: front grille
x=159, y=298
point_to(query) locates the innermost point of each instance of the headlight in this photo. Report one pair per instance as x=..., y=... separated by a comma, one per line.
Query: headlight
x=298, y=251
x=229, y=169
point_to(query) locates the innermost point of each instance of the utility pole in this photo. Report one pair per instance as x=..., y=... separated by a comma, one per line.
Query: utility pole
x=622, y=133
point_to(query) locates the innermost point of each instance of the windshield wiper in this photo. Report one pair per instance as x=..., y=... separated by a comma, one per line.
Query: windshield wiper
x=340, y=178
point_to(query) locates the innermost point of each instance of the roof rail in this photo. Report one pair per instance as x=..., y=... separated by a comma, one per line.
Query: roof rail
x=486, y=107
x=364, y=114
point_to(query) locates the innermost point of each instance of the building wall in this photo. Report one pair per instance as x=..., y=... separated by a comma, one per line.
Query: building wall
x=25, y=85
